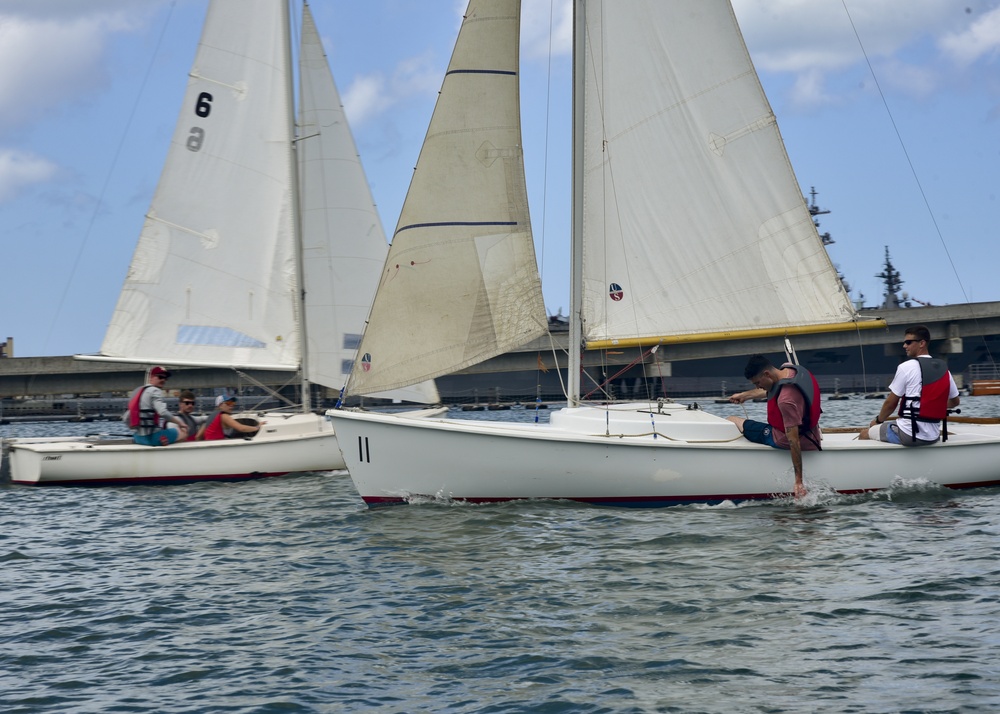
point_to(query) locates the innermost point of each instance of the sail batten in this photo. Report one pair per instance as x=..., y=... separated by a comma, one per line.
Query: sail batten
x=443, y=224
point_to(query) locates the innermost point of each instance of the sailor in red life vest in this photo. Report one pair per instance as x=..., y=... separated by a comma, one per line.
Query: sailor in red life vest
x=793, y=411
x=924, y=391
x=147, y=414
x=222, y=423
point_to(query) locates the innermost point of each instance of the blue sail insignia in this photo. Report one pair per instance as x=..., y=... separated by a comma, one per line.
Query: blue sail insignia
x=216, y=337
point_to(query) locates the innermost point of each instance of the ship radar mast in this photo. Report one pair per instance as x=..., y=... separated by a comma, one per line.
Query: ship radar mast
x=891, y=283
x=815, y=210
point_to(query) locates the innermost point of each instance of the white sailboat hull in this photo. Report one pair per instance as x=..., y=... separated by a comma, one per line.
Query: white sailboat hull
x=288, y=443
x=694, y=458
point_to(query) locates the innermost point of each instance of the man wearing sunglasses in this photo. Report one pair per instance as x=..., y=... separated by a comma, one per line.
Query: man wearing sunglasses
x=923, y=390
x=147, y=413
x=185, y=412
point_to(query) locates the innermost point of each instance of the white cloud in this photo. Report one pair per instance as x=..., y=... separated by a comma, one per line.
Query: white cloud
x=43, y=63
x=899, y=37
x=979, y=39
x=19, y=169
x=365, y=98
x=69, y=10
x=52, y=52
x=373, y=94
x=910, y=79
x=537, y=16
x=810, y=90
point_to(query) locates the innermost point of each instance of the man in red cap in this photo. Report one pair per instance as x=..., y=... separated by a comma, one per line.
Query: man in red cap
x=148, y=415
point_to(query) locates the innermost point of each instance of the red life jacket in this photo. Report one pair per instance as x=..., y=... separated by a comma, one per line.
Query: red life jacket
x=214, y=432
x=145, y=418
x=931, y=405
x=806, y=383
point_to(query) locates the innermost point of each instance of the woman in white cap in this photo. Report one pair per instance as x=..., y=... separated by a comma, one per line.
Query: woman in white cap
x=223, y=421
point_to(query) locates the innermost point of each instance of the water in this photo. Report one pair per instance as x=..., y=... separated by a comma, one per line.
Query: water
x=288, y=595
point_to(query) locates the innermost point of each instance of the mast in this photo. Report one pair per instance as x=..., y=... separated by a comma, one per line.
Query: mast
x=300, y=299
x=891, y=282
x=576, y=262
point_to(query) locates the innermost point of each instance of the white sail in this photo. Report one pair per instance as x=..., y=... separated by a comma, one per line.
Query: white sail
x=213, y=277
x=343, y=243
x=461, y=282
x=693, y=221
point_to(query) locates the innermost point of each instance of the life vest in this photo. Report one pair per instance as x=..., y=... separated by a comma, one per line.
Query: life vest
x=213, y=431
x=141, y=418
x=931, y=405
x=806, y=383
x=190, y=423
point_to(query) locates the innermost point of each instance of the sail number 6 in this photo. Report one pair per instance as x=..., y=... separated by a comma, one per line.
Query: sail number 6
x=202, y=108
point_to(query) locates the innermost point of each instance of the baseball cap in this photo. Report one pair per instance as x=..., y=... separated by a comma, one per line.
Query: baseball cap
x=159, y=372
x=224, y=398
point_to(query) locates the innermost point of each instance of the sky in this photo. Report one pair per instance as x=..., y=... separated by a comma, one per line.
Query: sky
x=889, y=108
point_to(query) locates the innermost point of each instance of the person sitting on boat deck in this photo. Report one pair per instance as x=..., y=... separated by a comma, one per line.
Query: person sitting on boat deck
x=185, y=412
x=793, y=410
x=924, y=391
x=147, y=414
x=222, y=424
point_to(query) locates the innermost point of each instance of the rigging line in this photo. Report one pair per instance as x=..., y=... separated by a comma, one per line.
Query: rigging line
x=545, y=190
x=640, y=359
x=916, y=178
x=274, y=392
x=555, y=358
x=861, y=351
x=902, y=144
x=107, y=179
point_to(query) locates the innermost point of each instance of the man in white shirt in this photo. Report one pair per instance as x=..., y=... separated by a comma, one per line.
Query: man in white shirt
x=926, y=390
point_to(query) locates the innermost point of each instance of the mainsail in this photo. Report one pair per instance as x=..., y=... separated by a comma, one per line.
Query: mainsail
x=693, y=221
x=461, y=282
x=213, y=279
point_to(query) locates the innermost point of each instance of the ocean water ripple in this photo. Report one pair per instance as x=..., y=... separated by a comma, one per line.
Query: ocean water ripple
x=288, y=595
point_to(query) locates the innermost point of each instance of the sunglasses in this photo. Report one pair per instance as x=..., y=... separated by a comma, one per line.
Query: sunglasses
x=907, y=343
x=187, y=401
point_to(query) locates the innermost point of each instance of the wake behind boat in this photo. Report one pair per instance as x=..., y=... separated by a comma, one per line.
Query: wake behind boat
x=261, y=249
x=688, y=225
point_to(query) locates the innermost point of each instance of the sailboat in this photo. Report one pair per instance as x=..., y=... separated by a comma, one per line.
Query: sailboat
x=261, y=249
x=688, y=224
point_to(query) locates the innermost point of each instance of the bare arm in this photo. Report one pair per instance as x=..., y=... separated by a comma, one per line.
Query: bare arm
x=230, y=422
x=160, y=407
x=755, y=393
x=888, y=407
x=795, y=446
